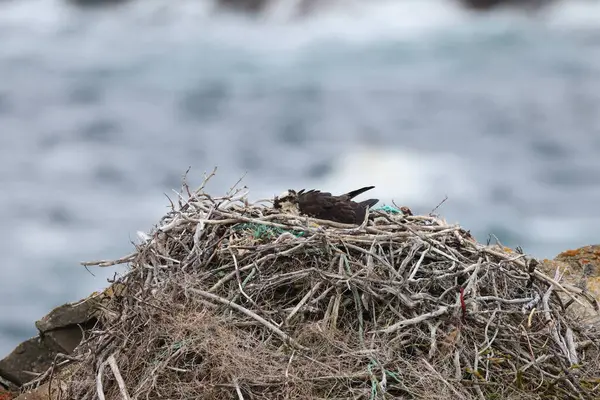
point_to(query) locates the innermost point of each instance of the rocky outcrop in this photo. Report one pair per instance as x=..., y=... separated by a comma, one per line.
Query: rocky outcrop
x=580, y=267
x=96, y=3
x=60, y=332
x=491, y=4
x=244, y=5
x=583, y=266
x=305, y=6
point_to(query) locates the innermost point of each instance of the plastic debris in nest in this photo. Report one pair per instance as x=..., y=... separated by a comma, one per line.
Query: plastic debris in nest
x=387, y=209
x=265, y=232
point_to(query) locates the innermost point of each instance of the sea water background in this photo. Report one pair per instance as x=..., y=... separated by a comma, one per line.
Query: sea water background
x=102, y=111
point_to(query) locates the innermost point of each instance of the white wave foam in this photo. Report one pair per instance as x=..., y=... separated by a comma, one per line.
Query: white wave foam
x=189, y=21
x=361, y=21
x=575, y=14
x=407, y=177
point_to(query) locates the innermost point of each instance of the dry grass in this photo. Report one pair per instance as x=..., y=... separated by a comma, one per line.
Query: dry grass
x=229, y=300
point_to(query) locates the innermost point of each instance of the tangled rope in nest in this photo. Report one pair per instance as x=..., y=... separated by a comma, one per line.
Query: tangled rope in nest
x=227, y=299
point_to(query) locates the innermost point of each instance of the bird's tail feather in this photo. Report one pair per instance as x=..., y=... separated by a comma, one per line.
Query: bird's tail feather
x=369, y=203
x=356, y=192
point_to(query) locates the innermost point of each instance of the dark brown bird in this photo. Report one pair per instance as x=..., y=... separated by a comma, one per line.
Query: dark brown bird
x=323, y=205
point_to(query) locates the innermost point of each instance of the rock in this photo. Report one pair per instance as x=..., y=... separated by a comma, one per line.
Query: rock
x=61, y=331
x=490, y=4
x=41, y=393
x=67, y=315
x=38, y=394
x=482, y=4
x=586, y=258
x=96, y=3
x=37, y=354
x=33, y=355
x=251, y=6
x=581, y=268
x=5, y=394
x=7, y=386
x=59, y=387
x=66, y=339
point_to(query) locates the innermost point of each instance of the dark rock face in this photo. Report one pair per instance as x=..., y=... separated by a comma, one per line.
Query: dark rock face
x=489, y=4
x=60, y=332
x=92, y=3
x=305, y=6
x=302, y=7
x=65, y=338
x=252, y=6
x=35, y=355
x=65, y=315
x=481, y=4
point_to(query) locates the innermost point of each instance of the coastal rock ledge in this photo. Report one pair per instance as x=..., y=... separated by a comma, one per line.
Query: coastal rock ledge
x=229, y=300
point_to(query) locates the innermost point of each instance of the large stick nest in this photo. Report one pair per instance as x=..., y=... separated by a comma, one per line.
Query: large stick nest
x=228, y=299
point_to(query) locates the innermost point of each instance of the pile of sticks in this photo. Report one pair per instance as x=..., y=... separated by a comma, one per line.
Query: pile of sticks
x=229, y=299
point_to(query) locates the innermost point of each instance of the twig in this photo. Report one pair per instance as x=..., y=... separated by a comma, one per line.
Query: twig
x=237, y=388
x=251, y=314
x=438, y=206
x=440, y=311
x=109, y=263
x=417, y=265
x=99, y=386
x=115, y=370
x=441, y=378
x=306, y=297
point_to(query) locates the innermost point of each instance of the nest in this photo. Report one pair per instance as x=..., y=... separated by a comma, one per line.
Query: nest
x=227, y=299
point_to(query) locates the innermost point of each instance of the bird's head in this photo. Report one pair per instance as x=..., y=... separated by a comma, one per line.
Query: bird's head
x=287, y=202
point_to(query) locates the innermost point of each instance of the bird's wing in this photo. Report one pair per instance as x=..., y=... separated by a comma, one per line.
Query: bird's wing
x=344, y=212
x=325, y=206
x=314, y=192
x=314, y=198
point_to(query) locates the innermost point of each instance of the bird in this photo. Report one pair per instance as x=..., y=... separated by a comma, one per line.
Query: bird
x=323, y=205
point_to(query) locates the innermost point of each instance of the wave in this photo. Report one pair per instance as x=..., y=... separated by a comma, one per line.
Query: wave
x=356, y=21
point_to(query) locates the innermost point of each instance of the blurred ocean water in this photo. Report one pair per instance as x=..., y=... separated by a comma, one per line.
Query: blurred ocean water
x=101, y=112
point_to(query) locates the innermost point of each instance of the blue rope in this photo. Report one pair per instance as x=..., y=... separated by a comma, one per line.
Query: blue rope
x=387, y=209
